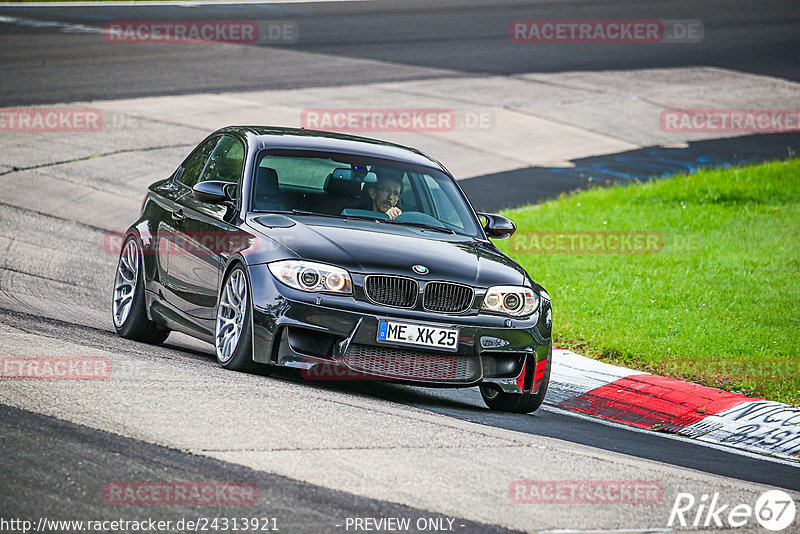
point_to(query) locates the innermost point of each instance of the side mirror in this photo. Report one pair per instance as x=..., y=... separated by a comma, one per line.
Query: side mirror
x=497, y=226
x=213, y=191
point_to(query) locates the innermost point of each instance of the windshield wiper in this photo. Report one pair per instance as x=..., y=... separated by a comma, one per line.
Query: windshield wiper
x=376, y=219
x=420, y=225
x=315, y=214
x=304, y=212
x=292, y=212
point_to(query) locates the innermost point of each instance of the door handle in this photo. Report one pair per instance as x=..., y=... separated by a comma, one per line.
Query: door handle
x=178, y=216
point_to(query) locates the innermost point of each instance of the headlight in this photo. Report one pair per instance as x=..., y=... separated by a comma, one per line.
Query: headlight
x=517, y=301
x=309, y=276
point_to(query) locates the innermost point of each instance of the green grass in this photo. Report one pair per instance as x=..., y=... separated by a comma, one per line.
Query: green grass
x=719, y=304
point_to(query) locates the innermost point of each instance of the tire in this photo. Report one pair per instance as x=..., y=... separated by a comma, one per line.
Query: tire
x=233, y=335
x=128, y=308
x=515, y=402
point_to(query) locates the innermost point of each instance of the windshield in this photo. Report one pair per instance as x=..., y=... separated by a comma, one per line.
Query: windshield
x=345, y=185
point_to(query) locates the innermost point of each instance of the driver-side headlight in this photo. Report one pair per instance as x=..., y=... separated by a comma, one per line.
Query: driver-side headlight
x=517, y=301
x=312, y=277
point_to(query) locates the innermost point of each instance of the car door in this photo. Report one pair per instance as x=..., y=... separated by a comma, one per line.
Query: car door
x=157, y=240
x=201, y=235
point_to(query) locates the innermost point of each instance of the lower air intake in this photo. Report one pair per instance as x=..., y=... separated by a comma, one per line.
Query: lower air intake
x=410, y=364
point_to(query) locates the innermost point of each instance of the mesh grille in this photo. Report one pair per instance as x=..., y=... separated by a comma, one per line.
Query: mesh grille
x=446, y=297
x=392, y=291
x=410, y=364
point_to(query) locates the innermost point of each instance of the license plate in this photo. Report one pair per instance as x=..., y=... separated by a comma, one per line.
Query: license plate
x=420, y=335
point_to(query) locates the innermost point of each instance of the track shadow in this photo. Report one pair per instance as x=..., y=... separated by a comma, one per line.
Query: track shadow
x=531, y=185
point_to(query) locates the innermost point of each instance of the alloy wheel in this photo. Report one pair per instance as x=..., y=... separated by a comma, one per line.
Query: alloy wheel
x=231, y=315
x=125, y=282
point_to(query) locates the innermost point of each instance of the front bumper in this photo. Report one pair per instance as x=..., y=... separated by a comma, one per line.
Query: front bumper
x=317, y=333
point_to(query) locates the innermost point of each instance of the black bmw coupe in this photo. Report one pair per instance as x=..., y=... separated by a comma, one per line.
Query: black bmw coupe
x=321, y=252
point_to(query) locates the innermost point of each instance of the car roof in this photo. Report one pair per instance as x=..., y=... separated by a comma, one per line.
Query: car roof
x=302, y=139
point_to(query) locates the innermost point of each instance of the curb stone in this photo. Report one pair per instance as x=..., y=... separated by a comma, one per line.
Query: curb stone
x=662, y=404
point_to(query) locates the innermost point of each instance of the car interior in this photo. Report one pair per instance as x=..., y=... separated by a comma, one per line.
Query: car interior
x=330, y=185
x=342, y=189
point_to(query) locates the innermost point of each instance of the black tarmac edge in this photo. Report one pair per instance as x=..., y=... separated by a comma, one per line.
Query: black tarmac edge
x=54, y=470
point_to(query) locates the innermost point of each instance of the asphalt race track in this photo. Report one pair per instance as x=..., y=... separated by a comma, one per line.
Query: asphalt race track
x=323, y=454
x=344, y=44
x=87, y=457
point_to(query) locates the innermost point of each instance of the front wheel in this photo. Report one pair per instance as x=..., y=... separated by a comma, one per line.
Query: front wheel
x=234, y=339
x=128, y=304
x=516, y=402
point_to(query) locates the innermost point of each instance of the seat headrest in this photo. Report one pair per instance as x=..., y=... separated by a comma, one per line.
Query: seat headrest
x=341, y=187
x=266, y=191
x=266, y=182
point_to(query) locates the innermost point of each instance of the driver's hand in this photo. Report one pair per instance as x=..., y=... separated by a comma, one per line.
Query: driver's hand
x=394, y=212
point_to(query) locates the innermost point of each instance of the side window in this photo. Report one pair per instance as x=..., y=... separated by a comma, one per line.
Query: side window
x=196, y=163
x=445, y=209
x=408, y=199
x=226, y=161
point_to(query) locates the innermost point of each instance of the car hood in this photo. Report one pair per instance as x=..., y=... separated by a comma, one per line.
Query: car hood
x=370, y=247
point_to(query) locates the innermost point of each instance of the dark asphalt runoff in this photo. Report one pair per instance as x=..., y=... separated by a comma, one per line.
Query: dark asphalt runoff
x=44, y=63
x=531, y=185
x=58, y=471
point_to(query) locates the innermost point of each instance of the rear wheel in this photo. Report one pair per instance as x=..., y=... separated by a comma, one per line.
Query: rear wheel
x=516, y=402
x=128, y=305
x=233, y=339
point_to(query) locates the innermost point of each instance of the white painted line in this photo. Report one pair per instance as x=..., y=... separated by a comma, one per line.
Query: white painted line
x=67, y=27
x=710, y=444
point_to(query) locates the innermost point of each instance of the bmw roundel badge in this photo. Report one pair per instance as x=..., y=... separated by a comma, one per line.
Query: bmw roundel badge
x=420, y=269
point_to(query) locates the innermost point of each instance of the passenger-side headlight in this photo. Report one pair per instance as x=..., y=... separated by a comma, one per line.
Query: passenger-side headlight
x=517, y=301
x=310, y=276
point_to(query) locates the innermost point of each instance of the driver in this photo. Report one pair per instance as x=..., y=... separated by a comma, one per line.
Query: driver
x=385, y=192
